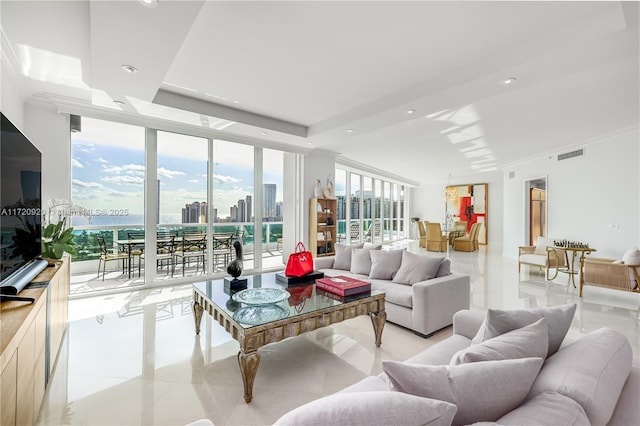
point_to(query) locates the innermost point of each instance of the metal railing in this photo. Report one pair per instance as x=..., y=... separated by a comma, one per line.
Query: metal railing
x=88, y=249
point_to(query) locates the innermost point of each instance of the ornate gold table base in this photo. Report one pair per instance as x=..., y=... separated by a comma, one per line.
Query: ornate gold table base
x=570, y=269
x=252, y=338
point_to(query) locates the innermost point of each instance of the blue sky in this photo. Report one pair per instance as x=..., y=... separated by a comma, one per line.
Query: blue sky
x=108, y=169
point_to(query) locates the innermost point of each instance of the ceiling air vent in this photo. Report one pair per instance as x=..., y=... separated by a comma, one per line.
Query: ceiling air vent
x=512, y=175
x=572, y=154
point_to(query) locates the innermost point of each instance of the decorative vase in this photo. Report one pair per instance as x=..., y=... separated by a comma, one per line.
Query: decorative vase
x=317, y=190
x=234, y=268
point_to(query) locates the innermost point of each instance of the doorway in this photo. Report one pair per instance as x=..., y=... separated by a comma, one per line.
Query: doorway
x=536, y=211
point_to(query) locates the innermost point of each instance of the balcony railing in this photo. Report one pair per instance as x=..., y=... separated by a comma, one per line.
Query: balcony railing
x=88, y=249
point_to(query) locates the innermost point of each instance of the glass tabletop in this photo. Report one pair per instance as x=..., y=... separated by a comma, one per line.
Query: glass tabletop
x=305, y=298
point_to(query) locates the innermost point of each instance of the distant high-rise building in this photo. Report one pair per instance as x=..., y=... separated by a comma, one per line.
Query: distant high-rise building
x=279, y=211
x=269, y=200
x=195, y=212
x=215, y=214
x=242, y=211
x=248, y=203
x=341, y=206
x=233, y=214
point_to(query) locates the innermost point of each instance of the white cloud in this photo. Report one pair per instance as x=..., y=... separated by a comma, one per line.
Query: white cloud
x=124, y=179
x=130, y=169
x=102, y=160
x=82, y=184
x=193, y=181
x=225, y=179
x=162, y=172
x=77, y=164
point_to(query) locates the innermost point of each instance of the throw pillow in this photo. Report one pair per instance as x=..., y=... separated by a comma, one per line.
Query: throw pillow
x=547, y=408
x=444, y=269
x=415, y=268
x=542, y=244
x=482, y=391
x=343, y=256
x=361, y=261
x=631, y=256
x=530, y=341
x=498, y=322
x=385, y=264
x=371, y=408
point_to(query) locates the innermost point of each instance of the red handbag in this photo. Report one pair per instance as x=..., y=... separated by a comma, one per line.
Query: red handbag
x=300, y=263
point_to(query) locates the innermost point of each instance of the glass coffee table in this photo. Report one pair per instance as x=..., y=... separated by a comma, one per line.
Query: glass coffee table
x=255, y=326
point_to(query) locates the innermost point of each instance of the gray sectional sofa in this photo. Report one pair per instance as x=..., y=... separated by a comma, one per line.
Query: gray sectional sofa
x=422, y=293
x=490, y=373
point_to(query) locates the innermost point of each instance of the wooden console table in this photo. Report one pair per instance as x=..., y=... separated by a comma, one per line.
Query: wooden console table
x=30, y=338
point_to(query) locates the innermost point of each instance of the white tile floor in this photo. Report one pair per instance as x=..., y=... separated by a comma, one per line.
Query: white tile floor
x=133, y=358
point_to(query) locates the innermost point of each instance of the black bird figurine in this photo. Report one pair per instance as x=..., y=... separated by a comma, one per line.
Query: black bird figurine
x=234, y=268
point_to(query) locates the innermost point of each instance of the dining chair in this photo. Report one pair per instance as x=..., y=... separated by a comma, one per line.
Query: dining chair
x=434, y=238
x=165, y=248
x=422, y=231
x=222, y=249
x=192, y=246
x=467, y=242
x=107, y=255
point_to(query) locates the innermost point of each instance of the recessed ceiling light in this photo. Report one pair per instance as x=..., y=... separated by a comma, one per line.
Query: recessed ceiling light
x=411, y=111
x=263, y=133
x=118, y=102
x=236, y=102
x=508, y=81
x=309, y=143
x=129, y=68
x=349, y=130
x=149, y=3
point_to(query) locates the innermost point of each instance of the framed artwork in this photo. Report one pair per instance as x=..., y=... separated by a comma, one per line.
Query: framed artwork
x=468, y=203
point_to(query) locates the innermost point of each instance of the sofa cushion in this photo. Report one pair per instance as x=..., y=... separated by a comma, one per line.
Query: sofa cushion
x=482, y=391
x=542, y=244
x=385, y=264
x=395, y=293
x=361, y=260
x=530, y=341
x=499, y=322
x=416, y=267
x=547, y=408
x=591, y=371
x=535, y=259
x=371, y=408
x=342, y=259
x=444, y=269
x=368, y=384
x=440, y=353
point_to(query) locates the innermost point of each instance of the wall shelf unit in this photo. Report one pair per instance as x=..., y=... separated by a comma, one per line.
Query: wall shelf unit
x=322, y=226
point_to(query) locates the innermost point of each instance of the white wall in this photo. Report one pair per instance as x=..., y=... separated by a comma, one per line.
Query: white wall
x=321, y=165
x=427, y=201
x=584, y=196
x=49, y=132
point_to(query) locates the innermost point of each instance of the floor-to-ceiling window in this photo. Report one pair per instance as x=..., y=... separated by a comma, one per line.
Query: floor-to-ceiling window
x=272, y=208
x=107, y=179
x=233, y=194
x=372, y=209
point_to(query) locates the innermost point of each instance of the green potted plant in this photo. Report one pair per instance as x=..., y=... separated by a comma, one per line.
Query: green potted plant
x=57, y=237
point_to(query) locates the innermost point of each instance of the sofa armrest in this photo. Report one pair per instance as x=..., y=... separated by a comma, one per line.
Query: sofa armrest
x=467, y=323
x=325, y=262
x=435, y=301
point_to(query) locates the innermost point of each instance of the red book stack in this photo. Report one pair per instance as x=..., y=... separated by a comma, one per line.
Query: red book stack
x=343, y=286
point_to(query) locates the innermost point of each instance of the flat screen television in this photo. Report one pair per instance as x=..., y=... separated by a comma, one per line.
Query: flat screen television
x=20, y=209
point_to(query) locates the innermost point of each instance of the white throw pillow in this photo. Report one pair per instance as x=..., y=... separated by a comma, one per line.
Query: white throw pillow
x=530, y=341
x=373, y=408
x=547, y=408
x=342, y=259
x=361, y=260
x=416, y=267
x=385, y=264
x=498, y=322
x=631, y=256
x=542, y=244
x=482, y=391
